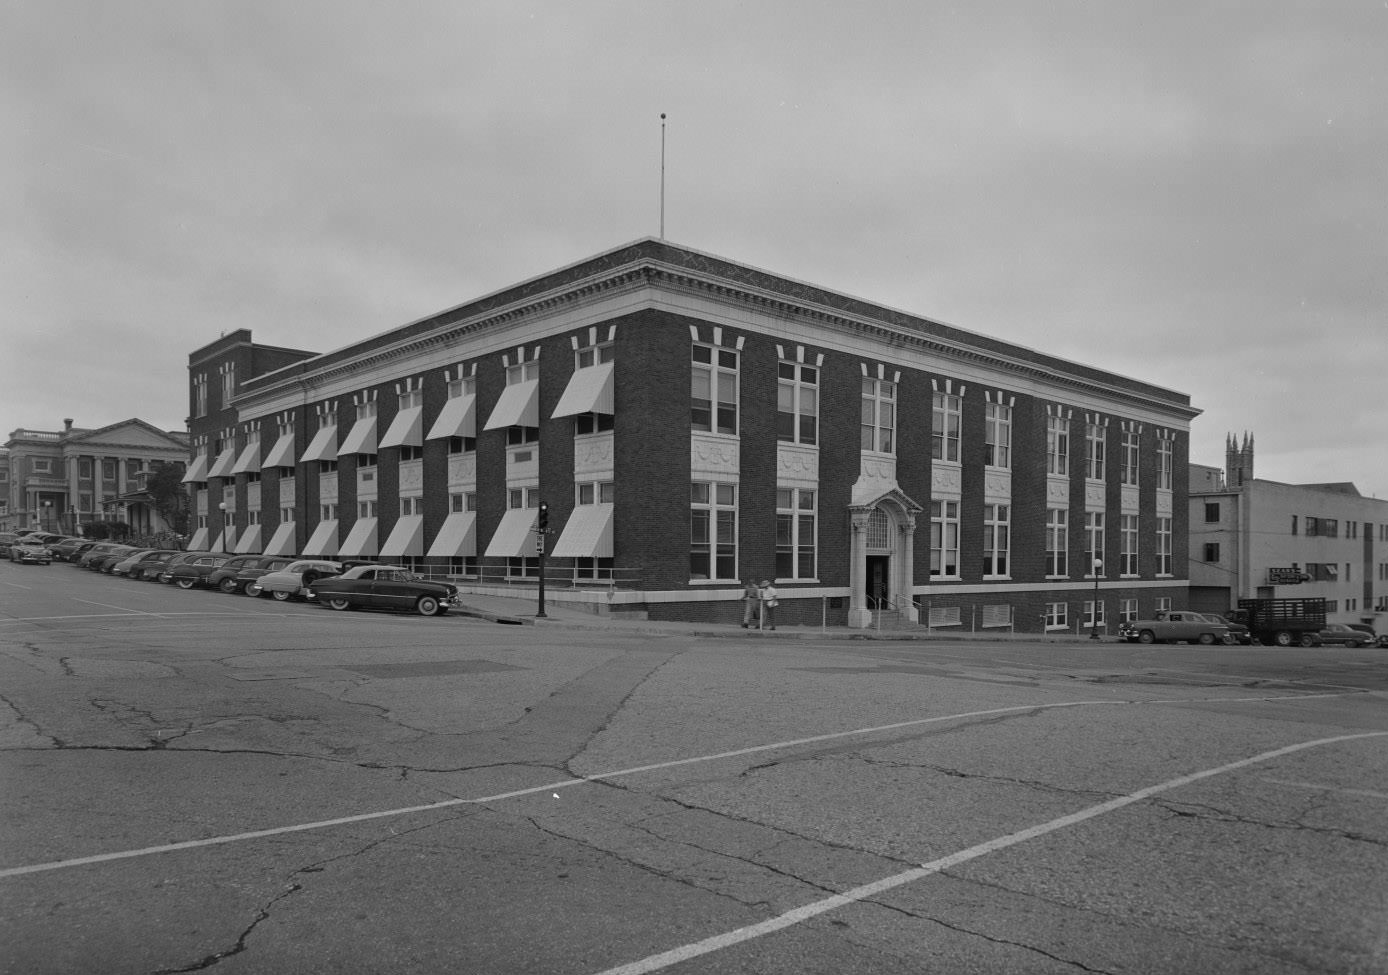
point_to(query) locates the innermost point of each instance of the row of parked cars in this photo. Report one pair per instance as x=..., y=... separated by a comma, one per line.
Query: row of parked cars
x=1188, y=626
x=339, y=585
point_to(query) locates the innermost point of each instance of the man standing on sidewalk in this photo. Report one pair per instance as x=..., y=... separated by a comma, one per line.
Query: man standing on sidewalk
x=769, y=602
x=750, y=598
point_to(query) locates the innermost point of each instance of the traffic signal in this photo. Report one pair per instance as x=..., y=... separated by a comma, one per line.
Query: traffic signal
x=544, y=516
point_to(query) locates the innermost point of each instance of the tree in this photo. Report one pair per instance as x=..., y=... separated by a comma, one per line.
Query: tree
x=164, y=485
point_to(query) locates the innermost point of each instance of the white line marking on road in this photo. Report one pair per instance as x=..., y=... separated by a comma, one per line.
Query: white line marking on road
x=124, y=609
x=602, y=776
x=858, y=894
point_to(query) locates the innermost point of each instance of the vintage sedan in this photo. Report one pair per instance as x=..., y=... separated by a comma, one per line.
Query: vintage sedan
x=294, y=579
x=384, y=587
x=1345, y=635
x=188, y=570
x=34, y=552
x=229, y=580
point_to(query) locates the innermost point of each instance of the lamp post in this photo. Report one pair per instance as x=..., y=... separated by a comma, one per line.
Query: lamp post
x=47, y=520
x=1094, y=616
x=222, y=535
x=72, y=515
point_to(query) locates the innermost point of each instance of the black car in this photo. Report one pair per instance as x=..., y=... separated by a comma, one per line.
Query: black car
x=1238, y=633
x=383, y=587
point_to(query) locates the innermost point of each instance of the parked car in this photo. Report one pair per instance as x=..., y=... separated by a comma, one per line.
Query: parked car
x=383, y=587
x=105, y=561
x=32, y=551
x=1346, y=635
x=1375, y=638
x=151, y=564
x=1174, y=625
x=6, y=540
x=1238, y=633
x=95, y=550
x=64, y=550
x=237, y=573
x=293, y=579
x=123, y=566
x=189, y=570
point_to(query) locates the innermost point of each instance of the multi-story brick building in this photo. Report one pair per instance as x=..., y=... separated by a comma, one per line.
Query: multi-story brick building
x=1251, y=537
x=688, y=422
x=59, y=480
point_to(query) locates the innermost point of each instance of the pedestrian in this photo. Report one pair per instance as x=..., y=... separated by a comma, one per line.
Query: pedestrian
x=769, y=602
x=750, y=597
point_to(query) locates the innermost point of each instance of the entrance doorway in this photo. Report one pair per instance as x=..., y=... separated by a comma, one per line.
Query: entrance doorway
x=878, y=580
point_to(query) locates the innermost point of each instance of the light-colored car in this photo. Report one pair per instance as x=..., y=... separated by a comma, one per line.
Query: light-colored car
x=293, y=579
x=1174, y=626
x=34, y=552
x=124, y=566
x=383, y=587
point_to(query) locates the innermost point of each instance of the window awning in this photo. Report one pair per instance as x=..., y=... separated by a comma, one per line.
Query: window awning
x=198, y=472
x=457, y=538
x=362, y=439
x=361, y=540
x=281, y=454
x=589, y=391
x=222, y=468
x=224, y=541
x=513, y=536
x=250, y=541
x=282, y=542
x=406, y=538
x=322, y=447
x=406, y=430
x=198, y=542
x=519, y=406
x=323, y=542
x=249, y=459
x=587, y=535
x=458, y=418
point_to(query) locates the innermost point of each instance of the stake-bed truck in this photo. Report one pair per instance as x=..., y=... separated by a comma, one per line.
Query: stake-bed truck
x=1284, y=622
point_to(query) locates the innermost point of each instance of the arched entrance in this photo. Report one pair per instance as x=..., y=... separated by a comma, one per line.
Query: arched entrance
x=881, y=557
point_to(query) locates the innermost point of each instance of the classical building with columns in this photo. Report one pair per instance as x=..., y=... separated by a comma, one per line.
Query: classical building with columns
x=58, y=480
x=667, y=423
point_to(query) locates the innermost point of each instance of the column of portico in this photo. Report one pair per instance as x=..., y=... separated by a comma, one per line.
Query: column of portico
x=907, y=570
x=858, y=614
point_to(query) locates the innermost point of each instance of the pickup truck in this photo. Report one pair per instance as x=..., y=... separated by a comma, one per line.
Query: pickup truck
x=1174, y=625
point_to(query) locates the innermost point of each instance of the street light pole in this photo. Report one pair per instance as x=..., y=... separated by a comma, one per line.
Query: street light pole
x=1094, y=615
x=222, y=535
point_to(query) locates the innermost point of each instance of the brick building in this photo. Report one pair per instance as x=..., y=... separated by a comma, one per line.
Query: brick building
x=688, y=422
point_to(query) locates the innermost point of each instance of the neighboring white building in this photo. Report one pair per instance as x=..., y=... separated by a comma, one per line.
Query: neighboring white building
x=1255, y=538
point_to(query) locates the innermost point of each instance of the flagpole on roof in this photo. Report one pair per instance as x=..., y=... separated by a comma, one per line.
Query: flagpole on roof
x=662, y=175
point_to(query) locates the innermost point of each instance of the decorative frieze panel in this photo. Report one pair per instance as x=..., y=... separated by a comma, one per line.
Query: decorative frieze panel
x=798, y=465
x=1057, y=491
x=523, y=464
x=1094, y=497
x=412, y=477
x=711, y=454
x=946, y=480
x=367, y=487
x=1130, y=499
x=462, y=471
x=327, y=488
x=997, y=487
x=286, y=491
x=1163, y=504
x=593, y=456
x=253, y=496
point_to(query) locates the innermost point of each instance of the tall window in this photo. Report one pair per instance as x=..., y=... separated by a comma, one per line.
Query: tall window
x=595, y=492
x=795, y=533
x=946, y=410
x=593, y=355
x=1128, y=468
x=1164, y=547
x=1056, y=616
x=1095, y=435
x=1057, y=542
x=1127, y=545
x=1164, y=464
x=1093, y=540
x=997, y=439
x=1094, y=614
x=1058, y=445
x=713, y=535
x=879, y=416
x=200, y=395
x=713, y=389
x=944, y=539
x=997, y=530
x=228, y=383
x=797, y=403
x=412, y=398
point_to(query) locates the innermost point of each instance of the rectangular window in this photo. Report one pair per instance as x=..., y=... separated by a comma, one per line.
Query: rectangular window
x=411, y=452
x=366, y=461
x=200, y=396
x=1091, y=608
x=596, y=492
x=1293, y=524
x=1211, y=551
x=593, y=422
x=1057, y=616
x=797, y=403
x=286, y=515
x=228, y=384
x=1164, y=547
x=1163, y=604
x=411, y=506
x=1164, y=465
x=1211, y=512
x=366, y=509
x=1127, y=610
x=462, y=445
x=713, y=530
x=944, y=539
x=795, y=533
x=879, y=416
x=1093, y=542
x=462, y=501
x=328, y=512
x=518, y=436
x=523, y=498
x=997, y=440
x=1128, y=467
x=1095, y=442
x=1057, y=543
x=997, y=536
x=1058, y=445
x=327, y=467
x=946, y=411
x=713, y=389
x=1127, y=545
x=409, y=400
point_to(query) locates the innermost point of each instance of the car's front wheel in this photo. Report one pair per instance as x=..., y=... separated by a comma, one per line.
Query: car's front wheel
x=279, y=595
x=339, y=603
x=1307, y=640
x=185, y=582
x=1206, y=639
x=227, y=586
x=427, y=606
x=1146, y=636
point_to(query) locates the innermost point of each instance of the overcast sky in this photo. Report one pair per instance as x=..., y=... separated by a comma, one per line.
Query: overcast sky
x=1189, y=193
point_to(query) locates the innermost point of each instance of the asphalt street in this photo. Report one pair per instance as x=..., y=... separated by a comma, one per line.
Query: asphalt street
x=201, y=782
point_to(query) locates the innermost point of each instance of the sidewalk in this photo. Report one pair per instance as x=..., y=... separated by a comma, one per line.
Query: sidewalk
x=521, y=612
